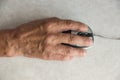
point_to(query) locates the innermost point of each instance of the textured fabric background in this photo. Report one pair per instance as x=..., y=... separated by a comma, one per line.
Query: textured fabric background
x=102, y=61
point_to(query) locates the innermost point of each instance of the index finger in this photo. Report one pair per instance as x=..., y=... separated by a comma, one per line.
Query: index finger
x=64, y=25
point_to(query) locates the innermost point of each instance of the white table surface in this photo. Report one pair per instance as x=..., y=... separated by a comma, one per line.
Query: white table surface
x=102, y=61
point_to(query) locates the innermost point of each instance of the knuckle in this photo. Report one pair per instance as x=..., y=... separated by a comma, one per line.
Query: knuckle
x=49, y=25
x=49, y=38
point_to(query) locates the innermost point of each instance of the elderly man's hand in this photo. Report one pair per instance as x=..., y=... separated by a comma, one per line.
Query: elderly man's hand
x=43, y=38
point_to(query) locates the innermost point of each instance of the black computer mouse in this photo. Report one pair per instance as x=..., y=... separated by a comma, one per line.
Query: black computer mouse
x=89, y=33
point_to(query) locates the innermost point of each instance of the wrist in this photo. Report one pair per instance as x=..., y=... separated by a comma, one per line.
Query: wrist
x=8, y=43
x=3, y=42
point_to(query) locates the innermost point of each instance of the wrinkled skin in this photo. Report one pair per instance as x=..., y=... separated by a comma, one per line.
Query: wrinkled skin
x=42, y=39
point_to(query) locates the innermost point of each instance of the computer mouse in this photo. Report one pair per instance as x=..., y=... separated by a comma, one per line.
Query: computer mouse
x=89, y=33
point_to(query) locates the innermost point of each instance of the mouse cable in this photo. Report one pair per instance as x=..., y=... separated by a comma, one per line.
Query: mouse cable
x=106, y=37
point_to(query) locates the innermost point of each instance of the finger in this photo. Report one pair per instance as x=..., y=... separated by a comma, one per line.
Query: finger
x=67, y=51
x=74, y=25
x=69, y=39
x=51, y=54
x=63, y=25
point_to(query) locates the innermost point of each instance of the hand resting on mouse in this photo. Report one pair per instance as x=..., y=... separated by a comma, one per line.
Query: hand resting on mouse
x=42, y=39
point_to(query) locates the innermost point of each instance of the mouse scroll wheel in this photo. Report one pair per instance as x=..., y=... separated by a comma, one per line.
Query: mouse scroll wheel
x=85, y=34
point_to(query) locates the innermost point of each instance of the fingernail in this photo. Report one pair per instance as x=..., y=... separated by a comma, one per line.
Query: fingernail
x=83, y=53
x=90, y=42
